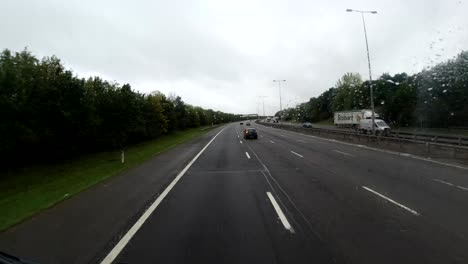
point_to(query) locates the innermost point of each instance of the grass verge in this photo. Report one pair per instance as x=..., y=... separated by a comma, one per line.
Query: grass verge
x=28, y=191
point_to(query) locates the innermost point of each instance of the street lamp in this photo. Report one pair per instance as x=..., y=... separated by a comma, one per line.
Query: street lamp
x=279, y=87
x=368, y=62
x=263, y=100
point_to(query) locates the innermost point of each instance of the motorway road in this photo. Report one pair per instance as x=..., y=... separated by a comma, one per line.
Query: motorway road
x=284, y=198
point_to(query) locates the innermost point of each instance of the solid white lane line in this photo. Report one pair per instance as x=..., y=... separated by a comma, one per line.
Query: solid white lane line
x=139, y=223
x=390, y=200
x=451, y=184
x=247, y=154
x=240, y=141
x=282, y=217
x=297, y=154
x=344, y=153
x=272, y=142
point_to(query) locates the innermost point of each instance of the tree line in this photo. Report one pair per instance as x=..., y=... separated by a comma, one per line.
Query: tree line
x=435, y=97
x=48, y=113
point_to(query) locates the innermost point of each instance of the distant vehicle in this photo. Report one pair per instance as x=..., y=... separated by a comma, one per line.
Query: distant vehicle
x=307, y=125
x=250, y=133
x=241, y=123
x=247, y=124
x=268, y=119
x=360, y=120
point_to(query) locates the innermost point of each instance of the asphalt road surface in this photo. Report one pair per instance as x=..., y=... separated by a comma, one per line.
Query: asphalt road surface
x=284, y=198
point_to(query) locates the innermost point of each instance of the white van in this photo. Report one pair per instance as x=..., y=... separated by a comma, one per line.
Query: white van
x=365, y=125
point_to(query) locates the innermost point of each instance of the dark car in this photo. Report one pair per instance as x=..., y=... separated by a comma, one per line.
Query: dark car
x=241, y=123
x=250, y=133
x=307, y=125
x=247, y=124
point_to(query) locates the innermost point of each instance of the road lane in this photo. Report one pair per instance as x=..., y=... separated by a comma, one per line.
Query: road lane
x=337, y=175
x=139, y=223
x=220, y=212
x=406, y=179
x=83, y=228
x=238, y=200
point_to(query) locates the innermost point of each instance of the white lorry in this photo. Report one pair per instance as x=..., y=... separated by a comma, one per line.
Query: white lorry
x=360, y=120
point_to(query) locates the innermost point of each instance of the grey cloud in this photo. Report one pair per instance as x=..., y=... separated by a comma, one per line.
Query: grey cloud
x=223, y=54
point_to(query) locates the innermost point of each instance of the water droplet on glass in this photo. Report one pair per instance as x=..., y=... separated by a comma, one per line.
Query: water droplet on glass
x=444, y=91
x=425, y=102
x=382, y=103
x=452, y=113
x=429, y=89
x=390, y=81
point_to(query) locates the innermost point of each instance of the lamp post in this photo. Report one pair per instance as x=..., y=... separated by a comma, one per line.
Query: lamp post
x=368, y=62
x=279, y=88
x=263, y=102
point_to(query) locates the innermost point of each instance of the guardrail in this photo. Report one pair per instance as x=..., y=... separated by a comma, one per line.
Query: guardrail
x=459, y=140
x=400, y=144
x=436, y=138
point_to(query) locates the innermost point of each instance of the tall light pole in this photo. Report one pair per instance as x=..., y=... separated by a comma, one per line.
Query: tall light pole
x=368, y=62
x=279, y=87
x=263, y=101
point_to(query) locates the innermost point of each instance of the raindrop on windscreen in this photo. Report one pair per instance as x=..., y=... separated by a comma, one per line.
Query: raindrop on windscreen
x=382, y=103
x=429, y=89
x=438, y=55
x=390, y=81
x=444, y=91
x=452, y=113
x=425, y=102
x=397, y=83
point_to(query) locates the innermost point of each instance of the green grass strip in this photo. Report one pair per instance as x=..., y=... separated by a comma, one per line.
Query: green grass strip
x=26, y=192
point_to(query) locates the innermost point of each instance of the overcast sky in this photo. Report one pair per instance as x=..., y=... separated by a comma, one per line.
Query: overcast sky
x=224, y=54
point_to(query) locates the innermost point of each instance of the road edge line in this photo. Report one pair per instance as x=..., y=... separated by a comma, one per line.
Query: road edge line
x=113, y=254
